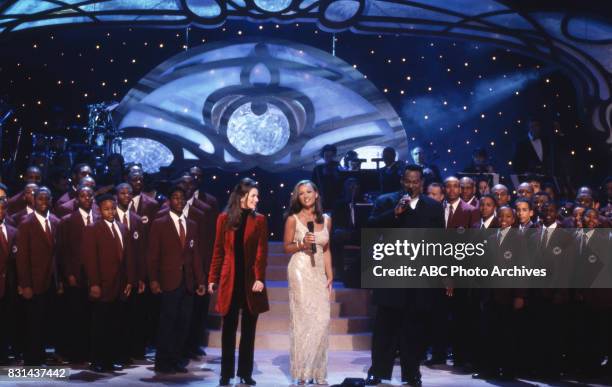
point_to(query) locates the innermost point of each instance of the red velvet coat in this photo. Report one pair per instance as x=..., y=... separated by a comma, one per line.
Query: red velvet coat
x=69, y=239
x=7, y=256
x=166, y=258
x=255, y=260
x=103, y=264
x=36, y=265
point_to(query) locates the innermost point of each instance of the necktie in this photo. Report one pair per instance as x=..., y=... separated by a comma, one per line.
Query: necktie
x=125, y=220
x=133, y=205
x=117, y=242
x=3, y=240
x=583, y=242
x=482, y=225
x=450, y=214
x=499, y=238
x=181, y=232
x=48, y=231
x=88, y=221
x=546, y=236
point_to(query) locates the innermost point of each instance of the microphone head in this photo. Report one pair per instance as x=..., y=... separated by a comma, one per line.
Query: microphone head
x=310, y=226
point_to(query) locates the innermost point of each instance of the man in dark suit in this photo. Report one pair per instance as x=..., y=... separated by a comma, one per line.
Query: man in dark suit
x=391, y=174
x=70, y=236
x=17, y=202
x=37, y=272
x=28, y=195
x=8, y=249
x=79, y=171
x=534, y=154
x=137, y=305
x=175, y=271
x=111, y=277
x=143, y=205
x=402, y=313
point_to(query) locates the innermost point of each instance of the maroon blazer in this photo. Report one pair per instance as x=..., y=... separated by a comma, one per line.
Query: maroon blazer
x=138, y=234
x=494, y=223
x=65, y=198
x=167, y=260
x=202, y=214
x=209, y=199
x=36, y=265
x=255, y=259
x=69, y=240
x=16, y=203
x=103, y=264
x=72, y=205
x=464, y=216
x=19, y=216
x=6, y=257
x=147, y=208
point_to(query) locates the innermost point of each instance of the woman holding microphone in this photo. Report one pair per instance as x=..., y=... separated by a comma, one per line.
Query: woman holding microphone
x=237, y=272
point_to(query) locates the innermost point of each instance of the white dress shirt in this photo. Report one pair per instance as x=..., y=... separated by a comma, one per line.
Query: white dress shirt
x=3, y=229
x=487, y=222
x=175, y=218
x=537, y=147
x=135, y=202
x=447, y=209
x=552, y=228
x=112, y=225
x=42, y=220
x=120, y=213
x=501, y=234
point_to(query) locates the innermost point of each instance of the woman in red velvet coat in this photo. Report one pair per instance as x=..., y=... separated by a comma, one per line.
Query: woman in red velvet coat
x=237, y=272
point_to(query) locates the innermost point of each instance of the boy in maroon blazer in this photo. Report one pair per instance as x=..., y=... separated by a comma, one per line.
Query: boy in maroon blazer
x=72, y=204
x=110, y=274
x=79, y=171
x=70, y=238
x=37, y=272
x=175, y=272
x=137, y=233
x=8, y=249
x=28, y=194
x=143, y=205
x=17, y=202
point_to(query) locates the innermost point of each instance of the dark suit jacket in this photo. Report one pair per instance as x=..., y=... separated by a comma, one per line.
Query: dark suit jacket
x=593, y=264
x=512, y=252
x=7, y=257
x=464, y=216
x=16, y=203
x=138, y=235
x=493, y=225
x=36, y=256
x=557, y=258
x=427, y=214
x=167, y=261
x=69, y=240
x=255, y=260
x=526, y=159
x=103, y=264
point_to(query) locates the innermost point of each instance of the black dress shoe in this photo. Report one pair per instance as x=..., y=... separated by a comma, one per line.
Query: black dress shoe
x=181, y=370
x=248, y=380
x=413, y=381
x=115, y=367
x=224, y=381
x=372, y=380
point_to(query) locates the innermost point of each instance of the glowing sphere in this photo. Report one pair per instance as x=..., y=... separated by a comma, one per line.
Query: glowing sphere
x=258, y=129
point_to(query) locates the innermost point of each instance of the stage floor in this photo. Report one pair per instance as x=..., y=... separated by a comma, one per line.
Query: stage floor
x=272, y=370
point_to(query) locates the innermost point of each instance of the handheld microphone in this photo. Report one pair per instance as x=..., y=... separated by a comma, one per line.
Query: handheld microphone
x=313, y=246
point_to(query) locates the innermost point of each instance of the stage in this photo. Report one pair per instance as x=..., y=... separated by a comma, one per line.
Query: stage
x=272, y=370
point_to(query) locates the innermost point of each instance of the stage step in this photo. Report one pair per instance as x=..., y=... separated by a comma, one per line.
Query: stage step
x=281, y=341
x=270, y=323
x=350, y=325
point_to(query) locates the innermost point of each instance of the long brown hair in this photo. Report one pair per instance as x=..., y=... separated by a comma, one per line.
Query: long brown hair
x=233, y=208
x=295, y=206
